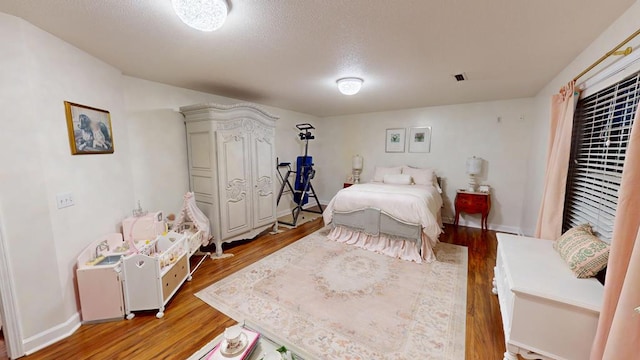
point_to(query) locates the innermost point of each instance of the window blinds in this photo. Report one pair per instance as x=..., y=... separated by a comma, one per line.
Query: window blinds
x=601, y=129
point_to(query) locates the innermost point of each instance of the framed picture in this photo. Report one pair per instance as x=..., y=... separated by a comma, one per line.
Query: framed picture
x=89, y=129
x=395, y=140
x=420, y=139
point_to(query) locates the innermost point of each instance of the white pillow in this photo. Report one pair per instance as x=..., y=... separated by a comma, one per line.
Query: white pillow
x=382, y=171
x=420, y=176
x=397, y=179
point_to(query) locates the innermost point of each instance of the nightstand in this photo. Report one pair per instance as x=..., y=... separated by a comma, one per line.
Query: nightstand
x=473, y=203
x=346, y=185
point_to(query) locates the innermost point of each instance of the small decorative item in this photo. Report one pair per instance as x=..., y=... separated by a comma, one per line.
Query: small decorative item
x=484, y=188
x=169, y=220
x=138, y=212
x=89, y=129
x=281, y=353
x=474, y=167
x=420, y=139
x=235, y=340
x=395, y=140
x=356, y=167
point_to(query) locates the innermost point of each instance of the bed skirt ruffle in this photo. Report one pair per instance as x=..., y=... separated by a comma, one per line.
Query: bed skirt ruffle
x=401, y=248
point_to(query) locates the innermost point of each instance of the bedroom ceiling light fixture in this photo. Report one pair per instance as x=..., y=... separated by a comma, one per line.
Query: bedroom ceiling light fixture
x=203, y=15
x=349, y=85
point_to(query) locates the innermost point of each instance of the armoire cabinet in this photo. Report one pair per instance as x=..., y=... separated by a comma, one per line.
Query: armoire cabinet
x=232, y=164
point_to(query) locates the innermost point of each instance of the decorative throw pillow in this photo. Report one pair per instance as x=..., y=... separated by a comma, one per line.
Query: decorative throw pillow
x=397, y=179
x=585, y=254
x=382, y=171
x=420, y=176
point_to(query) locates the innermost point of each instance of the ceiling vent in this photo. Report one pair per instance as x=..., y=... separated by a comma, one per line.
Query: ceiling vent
x=460, y=77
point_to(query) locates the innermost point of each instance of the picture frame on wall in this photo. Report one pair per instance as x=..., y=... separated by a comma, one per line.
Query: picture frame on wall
x=89, y=129
x=395, y=140
x=420, y=139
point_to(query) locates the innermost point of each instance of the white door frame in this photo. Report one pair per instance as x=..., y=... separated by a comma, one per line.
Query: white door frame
x=8, y=306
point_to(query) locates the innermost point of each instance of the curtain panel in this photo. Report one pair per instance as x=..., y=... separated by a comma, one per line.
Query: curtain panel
x=618, y=334
x=563, y=107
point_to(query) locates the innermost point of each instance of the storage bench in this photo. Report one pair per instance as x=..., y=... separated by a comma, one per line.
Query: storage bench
x=547, y=313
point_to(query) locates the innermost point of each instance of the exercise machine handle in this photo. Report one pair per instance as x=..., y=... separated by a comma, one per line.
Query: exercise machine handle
x=305, y=126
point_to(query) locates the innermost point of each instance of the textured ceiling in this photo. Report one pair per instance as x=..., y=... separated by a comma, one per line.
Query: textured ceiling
x=288, y=53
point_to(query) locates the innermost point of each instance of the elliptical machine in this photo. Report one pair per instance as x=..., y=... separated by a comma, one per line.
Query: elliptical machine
x=302, y=188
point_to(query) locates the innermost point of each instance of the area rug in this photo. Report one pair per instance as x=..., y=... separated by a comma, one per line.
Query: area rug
x=338, y=301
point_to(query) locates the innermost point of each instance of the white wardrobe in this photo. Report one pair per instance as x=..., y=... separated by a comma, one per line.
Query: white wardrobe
x=232, y=166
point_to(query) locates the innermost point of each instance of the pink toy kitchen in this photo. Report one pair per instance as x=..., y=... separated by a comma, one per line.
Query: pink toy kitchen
x=141, y=270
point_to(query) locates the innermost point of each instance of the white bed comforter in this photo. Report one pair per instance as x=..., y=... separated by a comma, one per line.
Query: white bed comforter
x=414, y=204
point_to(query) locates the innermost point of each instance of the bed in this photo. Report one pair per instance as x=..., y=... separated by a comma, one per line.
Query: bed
x=394, y=218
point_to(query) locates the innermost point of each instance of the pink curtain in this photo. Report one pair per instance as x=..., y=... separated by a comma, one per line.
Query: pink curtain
x=618, y=334
x=563, y=106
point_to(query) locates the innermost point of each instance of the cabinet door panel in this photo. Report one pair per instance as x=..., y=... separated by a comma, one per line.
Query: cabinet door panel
x=234, y=176
x=100, y=292
x=202, y=181
x=264, y=210
x=200, y=150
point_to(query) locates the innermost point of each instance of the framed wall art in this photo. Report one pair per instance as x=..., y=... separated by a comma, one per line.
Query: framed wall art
x=395, y=140
x=89, y=129
x=420, y=139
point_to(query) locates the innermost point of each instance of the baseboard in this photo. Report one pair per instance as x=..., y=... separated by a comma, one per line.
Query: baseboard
x=310, y=205
x=307, y=206
x=528, y=232
x=52, y=335
x=495, y=227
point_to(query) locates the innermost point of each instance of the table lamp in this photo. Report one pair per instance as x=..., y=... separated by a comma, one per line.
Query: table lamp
x=356, y=168
x=474, y=167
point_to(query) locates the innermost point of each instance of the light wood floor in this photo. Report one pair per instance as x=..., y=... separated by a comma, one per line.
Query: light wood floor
x=189, y=323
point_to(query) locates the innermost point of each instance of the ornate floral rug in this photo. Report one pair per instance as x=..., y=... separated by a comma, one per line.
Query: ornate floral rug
x=338, y=301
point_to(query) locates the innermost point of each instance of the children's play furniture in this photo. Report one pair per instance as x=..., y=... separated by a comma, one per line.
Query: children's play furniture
x=153, y=275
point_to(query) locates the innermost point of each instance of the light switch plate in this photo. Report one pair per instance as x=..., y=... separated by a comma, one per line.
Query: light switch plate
x=64, y=200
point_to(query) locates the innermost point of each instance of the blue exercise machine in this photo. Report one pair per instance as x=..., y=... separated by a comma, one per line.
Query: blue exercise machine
x=302, y=188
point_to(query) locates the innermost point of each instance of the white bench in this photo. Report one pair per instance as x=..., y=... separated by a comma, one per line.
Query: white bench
x=547, y=312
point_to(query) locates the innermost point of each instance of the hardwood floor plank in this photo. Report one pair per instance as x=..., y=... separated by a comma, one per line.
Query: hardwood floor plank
x=189, y=323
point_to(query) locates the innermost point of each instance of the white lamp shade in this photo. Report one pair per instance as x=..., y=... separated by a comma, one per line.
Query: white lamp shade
x=357, y=162
x=474, y=165
x=203, y=15
x=349, y=85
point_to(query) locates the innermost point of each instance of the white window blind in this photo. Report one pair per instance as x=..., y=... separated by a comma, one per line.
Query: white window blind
x=601, y=129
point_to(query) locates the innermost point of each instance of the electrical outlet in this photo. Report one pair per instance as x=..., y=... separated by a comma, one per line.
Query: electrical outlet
x=64, y=200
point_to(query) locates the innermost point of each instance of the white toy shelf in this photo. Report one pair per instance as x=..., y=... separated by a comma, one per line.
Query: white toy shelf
x=153, y=275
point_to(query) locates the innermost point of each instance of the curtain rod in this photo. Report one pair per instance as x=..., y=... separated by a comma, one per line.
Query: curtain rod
x=613, y=51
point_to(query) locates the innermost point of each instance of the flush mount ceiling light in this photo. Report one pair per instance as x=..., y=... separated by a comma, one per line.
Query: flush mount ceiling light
x=349, y=85
x=204, y=15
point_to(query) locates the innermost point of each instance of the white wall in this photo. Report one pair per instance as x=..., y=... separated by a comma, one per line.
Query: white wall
x=23, y=193
x=458, y=132
x=40, y=72
x=158, y=140
x=626, y=25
